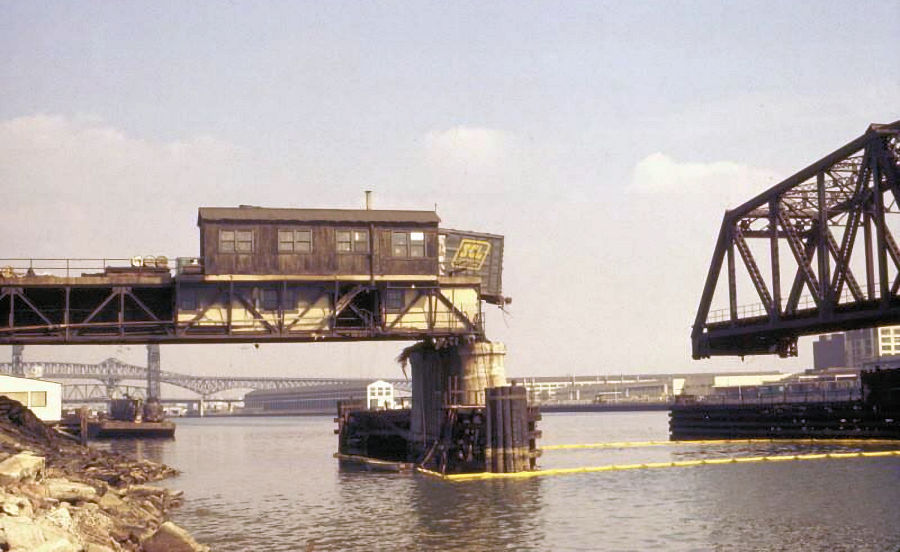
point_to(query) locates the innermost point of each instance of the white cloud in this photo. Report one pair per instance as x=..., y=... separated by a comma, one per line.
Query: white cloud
x=659, y=172
x=467, y=145
x=71, y=180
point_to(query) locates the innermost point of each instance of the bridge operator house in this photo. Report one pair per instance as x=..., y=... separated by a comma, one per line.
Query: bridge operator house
x=361, y=273
x=271, y=275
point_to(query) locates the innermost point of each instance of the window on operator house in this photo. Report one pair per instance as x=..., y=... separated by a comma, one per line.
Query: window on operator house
x=235, y=241
x=408, y=244
x=295, y=241
x=394, y=300
x=270, y=299
x=352, y=241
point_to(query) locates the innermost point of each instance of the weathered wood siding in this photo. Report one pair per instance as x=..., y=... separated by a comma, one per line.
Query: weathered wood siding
x=324, y=259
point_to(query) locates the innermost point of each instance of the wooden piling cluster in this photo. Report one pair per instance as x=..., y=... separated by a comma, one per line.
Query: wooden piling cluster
x=510, y=430
x=375, y=434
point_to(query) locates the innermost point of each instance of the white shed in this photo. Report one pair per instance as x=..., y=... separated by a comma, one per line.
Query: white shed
x=379, y=395
x=44, y=398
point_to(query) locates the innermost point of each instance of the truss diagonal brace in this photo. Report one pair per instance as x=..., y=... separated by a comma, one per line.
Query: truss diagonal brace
x=347, y=298
x=753, y=269
x=141, y=304
x=405, y=310
x=842, y=268
x=459, y=314
x=255, y=313
x=803, y=259
x=19, y=292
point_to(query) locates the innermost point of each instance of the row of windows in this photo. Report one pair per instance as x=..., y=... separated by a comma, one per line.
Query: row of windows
x=38, y=398
x=403, y=244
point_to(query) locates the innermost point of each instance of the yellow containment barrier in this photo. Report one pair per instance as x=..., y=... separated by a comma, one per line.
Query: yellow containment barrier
x=633, y=444
x=651, y=465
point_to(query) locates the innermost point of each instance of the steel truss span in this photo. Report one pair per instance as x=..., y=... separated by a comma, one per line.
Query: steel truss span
x=815, y=253
x=137, y=308
x=112, y=371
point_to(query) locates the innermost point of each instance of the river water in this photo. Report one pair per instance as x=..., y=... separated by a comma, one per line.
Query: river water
x=271, y=484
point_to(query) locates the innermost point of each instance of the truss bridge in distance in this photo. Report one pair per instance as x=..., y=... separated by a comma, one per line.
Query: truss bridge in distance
x=112, y=372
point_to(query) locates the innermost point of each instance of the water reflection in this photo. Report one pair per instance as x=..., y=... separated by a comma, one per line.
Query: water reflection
x=798, y=505
x=479, y=515
x=140, y=449
x=272, y=484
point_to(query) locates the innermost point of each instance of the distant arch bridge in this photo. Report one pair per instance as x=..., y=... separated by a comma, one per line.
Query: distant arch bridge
x=111, y=372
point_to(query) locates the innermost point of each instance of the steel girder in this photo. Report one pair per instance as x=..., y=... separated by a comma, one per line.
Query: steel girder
x=837, y=281
x=100, y=314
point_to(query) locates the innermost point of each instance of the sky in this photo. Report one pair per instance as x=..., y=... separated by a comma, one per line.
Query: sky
x=603, y=139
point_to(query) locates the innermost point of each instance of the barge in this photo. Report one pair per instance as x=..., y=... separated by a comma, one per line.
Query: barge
x=871, y=412
x=127, y=419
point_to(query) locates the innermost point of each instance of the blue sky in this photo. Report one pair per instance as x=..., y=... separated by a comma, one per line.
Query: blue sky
x=603, y=139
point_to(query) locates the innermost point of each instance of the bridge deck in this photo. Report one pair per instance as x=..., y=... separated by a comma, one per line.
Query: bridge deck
x=156, y=307
x=762, y=335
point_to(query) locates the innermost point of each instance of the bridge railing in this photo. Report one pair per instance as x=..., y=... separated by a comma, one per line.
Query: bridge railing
x=806, y=303
x=22, y=267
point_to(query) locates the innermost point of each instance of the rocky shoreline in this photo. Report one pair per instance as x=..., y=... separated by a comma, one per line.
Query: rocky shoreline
x=59, y=496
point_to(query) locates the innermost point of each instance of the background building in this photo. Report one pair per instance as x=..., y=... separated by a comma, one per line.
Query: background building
x=829, y=351
x=44, y=398
x=323, y=399
x=856, y=347
x=636, y=388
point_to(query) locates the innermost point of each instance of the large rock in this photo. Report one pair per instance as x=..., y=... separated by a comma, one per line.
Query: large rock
x=60, y=517
x=111, y=501
x=24, y=535
x=19, y=467
x=172, y=538
x=93, y=547
x=70, y=491
x=145, y=490
x=16, y=506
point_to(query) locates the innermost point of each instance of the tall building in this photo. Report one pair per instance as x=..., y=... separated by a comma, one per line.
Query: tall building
x=829, y=352
x=870, y=344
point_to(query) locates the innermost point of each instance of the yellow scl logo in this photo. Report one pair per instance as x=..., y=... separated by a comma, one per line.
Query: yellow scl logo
x=471, y=254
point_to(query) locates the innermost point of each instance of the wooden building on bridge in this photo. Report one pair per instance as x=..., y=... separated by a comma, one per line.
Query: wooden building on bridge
x=269, y=274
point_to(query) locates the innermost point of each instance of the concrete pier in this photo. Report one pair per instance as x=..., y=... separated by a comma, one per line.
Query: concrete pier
x=153, y=375
x=456, y=374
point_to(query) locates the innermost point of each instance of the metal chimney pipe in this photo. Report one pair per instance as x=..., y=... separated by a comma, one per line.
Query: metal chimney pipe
x=368, y=200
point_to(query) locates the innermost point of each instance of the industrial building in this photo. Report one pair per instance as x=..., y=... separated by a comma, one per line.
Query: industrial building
x=636, y=388
x=856, y=348
x=323, y=399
